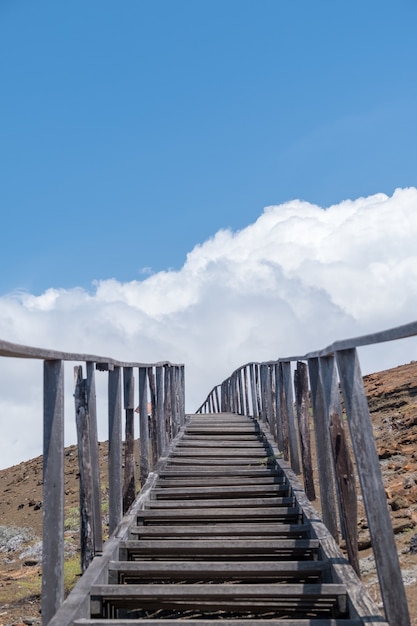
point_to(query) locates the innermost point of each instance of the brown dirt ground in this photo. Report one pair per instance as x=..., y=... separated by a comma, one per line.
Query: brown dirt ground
x=393, y=404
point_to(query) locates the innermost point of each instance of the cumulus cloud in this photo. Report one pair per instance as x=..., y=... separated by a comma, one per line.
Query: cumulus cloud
x=297, y=279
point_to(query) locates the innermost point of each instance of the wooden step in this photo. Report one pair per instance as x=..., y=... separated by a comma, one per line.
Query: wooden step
x=221, y=473
x=133, y=572
x=225, y=502
x=283, y=600
x=248, y=444
x=295, y=531
x=223, y=462
x=224, y=472
x=230, y=491
x=218, y=481
x=274, y=514
x=225, y=622
x=249, y=548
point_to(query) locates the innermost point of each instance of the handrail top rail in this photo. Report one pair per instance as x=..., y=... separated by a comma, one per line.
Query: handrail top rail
x=20, y=351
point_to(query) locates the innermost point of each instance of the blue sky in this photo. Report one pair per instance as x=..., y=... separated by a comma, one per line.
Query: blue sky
x=131, y=131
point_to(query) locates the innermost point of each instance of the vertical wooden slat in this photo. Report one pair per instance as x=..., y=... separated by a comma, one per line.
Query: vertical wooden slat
x=373, y=493
x=174, y=416
x=344, y=472
x=53, y=490
x=253, y=390
x=94, y=455
x=182, y=394
x=167, y=402
x=160, y=409
x=115, y=448
x=241, y=393
x=278, y=407
x=245, y=379
x=129, y=482
x=302, y=406
x=84, y=465
x=323, y=449
x=258, y=390
x=269, y=407
x=292, y=433
x=284, y=415
x=216, y=391
x=262, y=384
x=152, y=423
x=143, y=425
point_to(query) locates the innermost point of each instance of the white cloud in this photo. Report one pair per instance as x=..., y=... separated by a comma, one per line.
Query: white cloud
x=297, y=279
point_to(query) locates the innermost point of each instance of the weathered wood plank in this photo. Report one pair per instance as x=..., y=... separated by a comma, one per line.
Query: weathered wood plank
x=115, y=448
x=302, y=406
x=294, y=531
x=129, y=479
x=94, y=455
x=53, y=489
x=323, y=449
x=227, y=622
x=143, y=425
x=380, y=528
x=84, y=466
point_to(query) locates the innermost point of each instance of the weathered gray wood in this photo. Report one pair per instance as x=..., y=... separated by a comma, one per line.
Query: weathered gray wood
x=160, y=417
x=129, y=481
x=95, y=468
x=253, y=390
x=322, y=621
x=143, y=425
x=258, y=390
x=115, y=448
x=380, y=528
x=360, y=603
x=347, y=488
x=278, y=407
x=174, y=412
x=53, y=490
x=246, y=390
x=85, y=473
x=289, y=403
x=153, y=428
x=167, y=404
x=302, y=408
x=181, y=385
x=323, y=450
x=224, y=531
x=262, y=384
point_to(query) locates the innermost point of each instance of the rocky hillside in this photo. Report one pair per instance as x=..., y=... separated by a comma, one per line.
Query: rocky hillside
x=393, y=403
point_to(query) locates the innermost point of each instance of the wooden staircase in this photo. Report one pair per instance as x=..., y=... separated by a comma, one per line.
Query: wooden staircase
x=228, y=535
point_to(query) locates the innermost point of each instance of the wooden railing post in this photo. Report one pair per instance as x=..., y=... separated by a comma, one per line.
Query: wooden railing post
x=129, y=482
x=323, y=449
x=343, y=467
x=85, y=469
x=94, y=456
x=278, y=408
x=245, y=382
x=253, y=390
x=373, y=493
x=160, y=421
x=167, y=402
x=53, y=489
x=289, y=400
x=262, y=384
x=153, y=428
x=115, y=448
x=172, y=389
x=143, y=425
x=302, y=407
x=182, y=394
